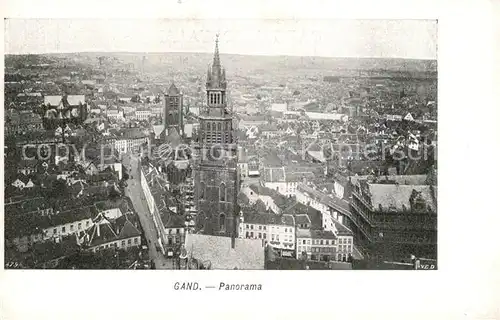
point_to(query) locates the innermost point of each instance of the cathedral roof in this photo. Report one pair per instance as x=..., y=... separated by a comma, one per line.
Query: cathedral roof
x=173, y=138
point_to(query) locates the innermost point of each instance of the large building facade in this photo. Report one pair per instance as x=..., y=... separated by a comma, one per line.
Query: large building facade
x=216, y=174
x=395, y=217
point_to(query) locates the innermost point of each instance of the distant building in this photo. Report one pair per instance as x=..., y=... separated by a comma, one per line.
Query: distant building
x=104, y=234
x=173, y=116
x=130, y=140
x=278, y=231
x=142, y=114
x=319, y=245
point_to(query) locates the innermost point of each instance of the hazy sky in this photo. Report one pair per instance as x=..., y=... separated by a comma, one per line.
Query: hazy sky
x=330, y=38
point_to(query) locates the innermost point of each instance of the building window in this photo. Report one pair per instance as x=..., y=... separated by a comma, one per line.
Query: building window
x=79, y=226
x=222, y=192
x=251, y=226
x=303, y=241
x=71, y=228
x=264, y=227
x=222, y=222
x=260, y=227
x=251, y=234
x=136, y=240
x=248, y=234
x=177, y=231
x=202, y=190
x=219, y=126
x=260, y=235
x=87, y=224
x=55, y=231
x=63, y=229
x=264, y=235
x=129, y=242
x=123, y=243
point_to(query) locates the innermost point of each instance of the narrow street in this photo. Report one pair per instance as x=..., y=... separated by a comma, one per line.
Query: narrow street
x=134, y=192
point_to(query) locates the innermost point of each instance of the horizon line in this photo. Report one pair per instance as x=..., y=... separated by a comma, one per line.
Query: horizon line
x=222, y=54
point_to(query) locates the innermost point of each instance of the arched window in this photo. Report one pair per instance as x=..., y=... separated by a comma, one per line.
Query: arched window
x=202, y=190
x=219, y=126
x=222, y=222
x=208, y=126
x=222, y=192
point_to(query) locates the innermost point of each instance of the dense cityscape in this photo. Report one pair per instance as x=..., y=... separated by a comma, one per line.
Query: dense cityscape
x=151, y=161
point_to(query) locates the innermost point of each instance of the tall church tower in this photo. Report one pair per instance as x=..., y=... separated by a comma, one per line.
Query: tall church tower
x=173, y=115
x=215, y=173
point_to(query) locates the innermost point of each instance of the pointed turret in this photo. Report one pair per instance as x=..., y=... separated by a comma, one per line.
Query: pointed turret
x=216, y=75
x=216, y=63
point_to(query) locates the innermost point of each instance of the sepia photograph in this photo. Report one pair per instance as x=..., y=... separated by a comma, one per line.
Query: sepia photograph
x=245, y=144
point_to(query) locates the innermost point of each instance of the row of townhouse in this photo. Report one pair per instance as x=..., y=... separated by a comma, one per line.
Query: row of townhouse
x=276, y=230
x=293, y=236
x=130, y=140
x=325, y=245
x=330, y=205
x=171, y=227
x=34, y=228
x=333, y=212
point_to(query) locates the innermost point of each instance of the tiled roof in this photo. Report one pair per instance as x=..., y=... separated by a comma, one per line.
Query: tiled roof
x=248, y=254
x=303, y=233
x=341, y=229
x=302, y=219
x=26, y=224
x=134, y=133
x=322, y=234
x=128, y=231
x=173, y=138
x=397, y=197
x=274, y=175
x=329, y=200
x=100, y=233
x=314, y=215
x=265, y=218
x=52, y=100
x=299, y=176
x=272, y=160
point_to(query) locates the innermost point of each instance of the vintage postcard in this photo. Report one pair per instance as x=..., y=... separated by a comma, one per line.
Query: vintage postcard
x=173, y=144
x=220, y=155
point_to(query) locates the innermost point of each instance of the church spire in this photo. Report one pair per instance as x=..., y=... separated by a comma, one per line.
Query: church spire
x=216, y=63
x=216, y=78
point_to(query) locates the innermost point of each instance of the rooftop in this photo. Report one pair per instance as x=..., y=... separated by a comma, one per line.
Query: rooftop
x=267, y=218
